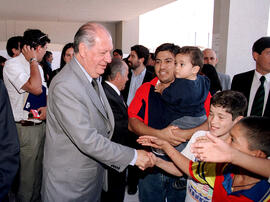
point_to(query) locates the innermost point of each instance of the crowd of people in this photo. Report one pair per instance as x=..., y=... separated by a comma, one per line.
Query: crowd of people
x=167, y=124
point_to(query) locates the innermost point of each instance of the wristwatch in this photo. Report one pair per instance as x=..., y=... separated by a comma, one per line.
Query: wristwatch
x=32, y=59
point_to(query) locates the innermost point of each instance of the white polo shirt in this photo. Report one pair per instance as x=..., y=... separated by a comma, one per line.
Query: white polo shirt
x=16, y=73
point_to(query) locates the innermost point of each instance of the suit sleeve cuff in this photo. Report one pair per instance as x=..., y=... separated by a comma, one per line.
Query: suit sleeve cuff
x=132, y=163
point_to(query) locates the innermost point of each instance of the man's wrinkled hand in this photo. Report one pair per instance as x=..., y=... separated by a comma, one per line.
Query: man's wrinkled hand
x=144, y=159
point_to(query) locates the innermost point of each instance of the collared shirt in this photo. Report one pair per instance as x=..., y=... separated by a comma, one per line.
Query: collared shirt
x=135, y=83
x=113, y=87
x=86, y=74
x=90, y=80
x=254, y=87
x=16, y=73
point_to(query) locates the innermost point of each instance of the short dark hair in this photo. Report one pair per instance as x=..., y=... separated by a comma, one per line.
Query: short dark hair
x=67, y=46
x=34, y=38
x=2, y=59
x=113, y=68
x=257, y=132
x=211, y=72
x=142, y=52
x=119, y=51
x=233, y=102
x=47, y=54
x=195, y=54
x=152, y=56
x=13, y=42
x=172, y=48
x=261, y=44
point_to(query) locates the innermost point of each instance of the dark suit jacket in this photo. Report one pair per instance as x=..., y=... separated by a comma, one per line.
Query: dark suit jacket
x=242, y=83
x=148, y=77
x=120, y=115
x=116, y=180
x=9, y=144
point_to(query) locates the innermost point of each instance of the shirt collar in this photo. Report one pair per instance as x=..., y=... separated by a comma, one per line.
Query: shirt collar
x=114, y=87
x=142, y=73
x=258, y=76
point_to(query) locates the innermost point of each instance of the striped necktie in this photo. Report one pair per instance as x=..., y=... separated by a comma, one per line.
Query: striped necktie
x=257, y=106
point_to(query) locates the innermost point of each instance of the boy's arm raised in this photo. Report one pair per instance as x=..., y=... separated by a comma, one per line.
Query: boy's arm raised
x=216, y=150
x=178, y=159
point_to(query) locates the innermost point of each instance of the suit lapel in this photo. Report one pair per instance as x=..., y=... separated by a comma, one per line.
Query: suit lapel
x=107, y=108
x=113, y=95
x=267, y=107
x=247, y=85
x=91, y=91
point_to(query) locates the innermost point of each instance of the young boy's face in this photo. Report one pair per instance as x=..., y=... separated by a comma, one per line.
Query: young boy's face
x=220, y=122
x=184, y=69
x=238, y=140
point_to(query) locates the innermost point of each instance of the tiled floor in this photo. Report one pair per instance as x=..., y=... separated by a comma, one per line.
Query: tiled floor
x=131, y=198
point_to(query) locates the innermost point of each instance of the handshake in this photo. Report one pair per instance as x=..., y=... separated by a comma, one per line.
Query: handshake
x=148, y=159
x=145, y=159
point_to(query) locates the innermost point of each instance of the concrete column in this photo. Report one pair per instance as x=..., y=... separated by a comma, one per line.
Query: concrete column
x=237, y=25
x=127, y=34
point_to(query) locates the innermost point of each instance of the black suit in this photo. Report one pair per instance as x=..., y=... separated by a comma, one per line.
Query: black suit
x=9, y=144
x=133, y=172
x=242, y=83
x=116, y=180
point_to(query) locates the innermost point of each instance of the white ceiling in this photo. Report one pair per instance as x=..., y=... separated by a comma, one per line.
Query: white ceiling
x=76, y=10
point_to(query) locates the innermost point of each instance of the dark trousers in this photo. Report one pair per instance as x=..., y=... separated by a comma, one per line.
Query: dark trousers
x=116, y=187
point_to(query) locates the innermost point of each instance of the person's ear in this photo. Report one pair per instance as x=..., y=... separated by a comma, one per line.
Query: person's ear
x=195, y=69
x=14, y=50
x=141, y=60
x=216, y=61
x=38, y=48
x=259, y=154
x=82, y=50
x=255, y=55
x=118, y=76
x=237, y=119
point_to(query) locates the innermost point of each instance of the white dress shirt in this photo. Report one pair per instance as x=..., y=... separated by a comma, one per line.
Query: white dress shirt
x=254, y=87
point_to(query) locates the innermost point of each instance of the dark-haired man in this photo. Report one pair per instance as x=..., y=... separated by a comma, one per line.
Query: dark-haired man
x=146, y=118
x=23, y=78
x=118, y=53
x=138, y=74
x=13, y=46
x=255, y=84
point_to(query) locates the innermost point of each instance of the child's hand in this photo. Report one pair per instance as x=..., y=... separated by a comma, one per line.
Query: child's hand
x=152, y=142
x=211, y=148
x=153, y=159
x=159, y=88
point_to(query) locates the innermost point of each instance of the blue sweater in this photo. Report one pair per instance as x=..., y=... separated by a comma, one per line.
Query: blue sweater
x=185, y=98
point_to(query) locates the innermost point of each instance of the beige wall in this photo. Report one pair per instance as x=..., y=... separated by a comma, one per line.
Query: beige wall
x=60, y=33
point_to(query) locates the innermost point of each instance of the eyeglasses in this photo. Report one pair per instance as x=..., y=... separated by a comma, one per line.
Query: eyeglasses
x=38, y=40
x=46, y=35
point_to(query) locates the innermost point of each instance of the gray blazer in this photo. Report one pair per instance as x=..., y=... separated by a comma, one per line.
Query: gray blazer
x=225, y=81
x=77, y=145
